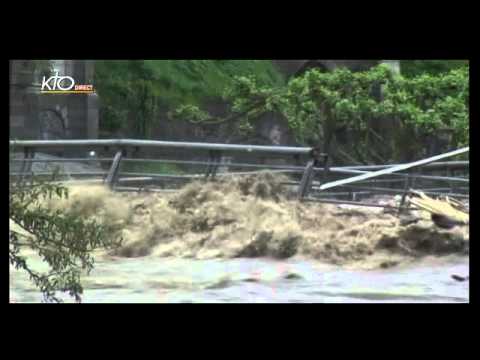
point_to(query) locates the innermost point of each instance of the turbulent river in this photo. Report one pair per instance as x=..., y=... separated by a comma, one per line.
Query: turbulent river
x=241, y=240
x=153, y=280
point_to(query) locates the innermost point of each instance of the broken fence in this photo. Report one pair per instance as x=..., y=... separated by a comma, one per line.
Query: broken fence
x=312, y=177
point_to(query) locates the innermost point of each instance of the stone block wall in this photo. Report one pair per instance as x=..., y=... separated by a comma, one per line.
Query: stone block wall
x=46, y=116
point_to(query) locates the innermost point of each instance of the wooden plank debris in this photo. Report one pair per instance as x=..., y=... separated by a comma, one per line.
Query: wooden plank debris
x=448, y=208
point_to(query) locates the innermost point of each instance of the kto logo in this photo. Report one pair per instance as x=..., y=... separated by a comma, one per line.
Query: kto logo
x=63, y=85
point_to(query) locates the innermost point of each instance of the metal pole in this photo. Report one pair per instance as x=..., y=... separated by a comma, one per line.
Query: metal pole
x=306, y=181
x=408, y=181
x=449, y=174
x=28, y=154
x=214, y=161
x=166, y=144
x=113, y=173
x=24, y=163
x=394, y=169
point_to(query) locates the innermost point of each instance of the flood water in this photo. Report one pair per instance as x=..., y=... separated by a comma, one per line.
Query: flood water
x=160, y=280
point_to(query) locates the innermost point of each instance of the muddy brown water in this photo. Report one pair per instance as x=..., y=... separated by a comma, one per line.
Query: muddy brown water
x=240, y=241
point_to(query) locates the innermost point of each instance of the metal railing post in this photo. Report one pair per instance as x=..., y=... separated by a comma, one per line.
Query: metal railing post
x=213, y=167
x=326, y=167
x=24, y=163
x=28, y=155
x=309, y=173
x=306, y=182
x=214, y=161
x=113, y=173
x=450, y=174
x=408, y=182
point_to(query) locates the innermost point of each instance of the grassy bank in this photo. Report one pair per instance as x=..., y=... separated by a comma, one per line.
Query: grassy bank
x=183, y=81
x=133, y=92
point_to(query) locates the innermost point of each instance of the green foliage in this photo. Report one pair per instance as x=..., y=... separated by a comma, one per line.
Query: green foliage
x=318, y=104
x=63, y=240
x=249, y=97
x=191, y=112
x=132, y=91
x=433, y=95
x=332, y=100
x=412, y=68
x=194, y=81
x=431, y=103
x=127, y=95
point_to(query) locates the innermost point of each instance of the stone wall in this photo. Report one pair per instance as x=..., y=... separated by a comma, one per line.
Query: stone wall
x=24, y=101
x=51, y=116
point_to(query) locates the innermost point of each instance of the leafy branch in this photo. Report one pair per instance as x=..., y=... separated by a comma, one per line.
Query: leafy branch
x=63, y=240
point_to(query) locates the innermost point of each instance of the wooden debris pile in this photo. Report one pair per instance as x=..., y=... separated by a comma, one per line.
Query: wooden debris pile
x=446, y=213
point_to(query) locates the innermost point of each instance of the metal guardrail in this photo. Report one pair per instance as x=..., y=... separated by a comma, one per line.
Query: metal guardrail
x=395, y=169
x=346, y=170
x=365, y=175
x=160, y=144
x=214, y=152
x=437, y=164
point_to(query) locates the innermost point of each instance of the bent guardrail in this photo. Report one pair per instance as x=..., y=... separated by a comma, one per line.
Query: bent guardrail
x=311, y=169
